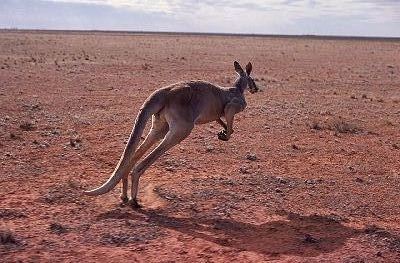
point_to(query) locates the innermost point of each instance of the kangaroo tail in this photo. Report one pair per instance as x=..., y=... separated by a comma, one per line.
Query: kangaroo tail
x=151, y=106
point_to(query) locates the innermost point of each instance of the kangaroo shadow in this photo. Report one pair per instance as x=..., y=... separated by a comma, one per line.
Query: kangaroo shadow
x=297, y=235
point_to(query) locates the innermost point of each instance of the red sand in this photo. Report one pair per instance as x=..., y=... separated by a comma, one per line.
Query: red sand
x=325, y=130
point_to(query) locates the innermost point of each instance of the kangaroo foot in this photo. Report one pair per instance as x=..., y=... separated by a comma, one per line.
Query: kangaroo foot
x=134, y=204
x=124, y=199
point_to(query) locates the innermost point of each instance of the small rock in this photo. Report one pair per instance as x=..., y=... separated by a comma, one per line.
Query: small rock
x=209, y=148
x=27, y=126
x=75, y=142
x=316, y=126
x=309, y=181
x=58, y=228
x=295, y=147
x=359, y=180
x=251, y=157
x=170, y=169
x=379, y=254
x=55, y=132
x=45, y=144
x=281, y=180
x=278, y=190
x=244, y=170
x=310, y=239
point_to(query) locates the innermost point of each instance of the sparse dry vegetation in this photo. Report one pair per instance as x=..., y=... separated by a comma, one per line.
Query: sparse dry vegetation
x=342, y=126
x=337, y=125
x=7, y=237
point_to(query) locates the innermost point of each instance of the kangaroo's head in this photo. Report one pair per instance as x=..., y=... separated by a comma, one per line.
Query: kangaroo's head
x=244, y=79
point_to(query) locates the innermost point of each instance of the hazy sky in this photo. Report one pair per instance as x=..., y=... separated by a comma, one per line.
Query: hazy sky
x=328, y=17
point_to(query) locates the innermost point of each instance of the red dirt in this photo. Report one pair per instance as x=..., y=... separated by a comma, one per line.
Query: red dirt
x=325, y=130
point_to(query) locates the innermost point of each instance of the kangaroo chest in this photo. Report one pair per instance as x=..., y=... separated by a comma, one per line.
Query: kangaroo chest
x=240, y=101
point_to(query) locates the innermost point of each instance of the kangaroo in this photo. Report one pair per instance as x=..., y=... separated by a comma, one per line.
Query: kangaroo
x=175, y=110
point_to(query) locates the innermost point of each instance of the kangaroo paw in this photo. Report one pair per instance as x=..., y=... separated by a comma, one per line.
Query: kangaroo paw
x=222, y=136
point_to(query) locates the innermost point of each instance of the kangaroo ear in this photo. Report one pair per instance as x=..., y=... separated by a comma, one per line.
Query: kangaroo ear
x=249, y=67
x=238, y=68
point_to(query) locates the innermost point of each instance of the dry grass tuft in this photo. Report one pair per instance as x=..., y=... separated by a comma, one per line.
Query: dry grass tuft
x=58, y=228
x=337, y=125
x=342, y=126
x=7, y=237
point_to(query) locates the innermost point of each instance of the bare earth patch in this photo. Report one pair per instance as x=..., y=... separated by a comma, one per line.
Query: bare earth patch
x=311, y=173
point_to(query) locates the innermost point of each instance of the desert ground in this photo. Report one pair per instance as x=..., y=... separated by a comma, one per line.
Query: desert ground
x=311, y=173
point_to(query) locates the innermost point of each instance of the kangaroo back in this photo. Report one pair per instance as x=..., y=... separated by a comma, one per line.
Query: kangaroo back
x=151, y=106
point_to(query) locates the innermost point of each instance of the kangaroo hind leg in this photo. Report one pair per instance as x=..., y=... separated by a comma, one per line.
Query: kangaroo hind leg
x=177, y=132
x=159, y=128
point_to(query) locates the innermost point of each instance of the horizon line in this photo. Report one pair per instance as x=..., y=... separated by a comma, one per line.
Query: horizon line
x=188, y=33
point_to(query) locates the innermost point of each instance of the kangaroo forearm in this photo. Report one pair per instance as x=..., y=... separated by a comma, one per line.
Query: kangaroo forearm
x=222, y=123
